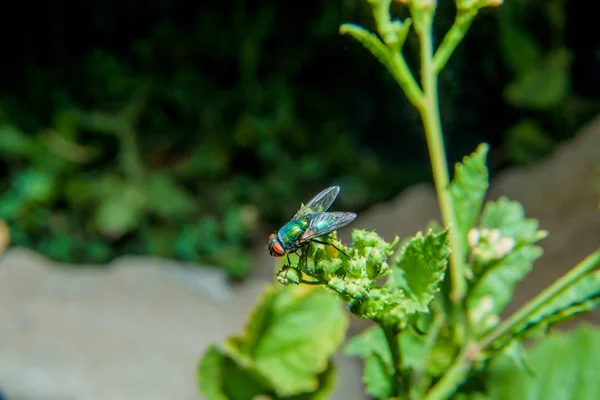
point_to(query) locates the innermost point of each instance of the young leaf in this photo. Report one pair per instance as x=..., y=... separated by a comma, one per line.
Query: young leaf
x=583, y=296
x=509, y=218
x=211, y=373
x=290, y=338
x=515, y=237
x=544, y=86
x=378, y=377
x=495, y=289
x=420, y=267
x=371, y=345
x=166, y=198
x=370, y=341
x=519, y=49
x=468, y=190
x=219, y=378
x=370, y=41
x=326, y=385
x=565, y=367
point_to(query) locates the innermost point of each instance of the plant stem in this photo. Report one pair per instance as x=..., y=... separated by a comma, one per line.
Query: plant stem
x=453, y=37
x=423, y=379
x=405, y=79
x=453, y=377
x=392, y=340
x=459, y=370
x=430, y=116
x=581, y=269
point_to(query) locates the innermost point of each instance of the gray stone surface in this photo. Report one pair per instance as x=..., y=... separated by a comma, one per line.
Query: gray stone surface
x=135, y=331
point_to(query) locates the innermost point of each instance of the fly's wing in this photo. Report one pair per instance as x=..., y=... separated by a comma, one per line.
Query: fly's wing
x=325, y=222
x=319, y=203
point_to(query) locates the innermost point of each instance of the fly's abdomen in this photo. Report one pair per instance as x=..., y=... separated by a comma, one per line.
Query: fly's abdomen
x=291, y=232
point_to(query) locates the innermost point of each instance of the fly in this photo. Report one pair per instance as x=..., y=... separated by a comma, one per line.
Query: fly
x=310, y=222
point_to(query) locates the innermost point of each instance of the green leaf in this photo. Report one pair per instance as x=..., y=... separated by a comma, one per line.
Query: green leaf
x=509, y=218
x=371, y=345
x=211, y=374
x=468, y=190
x=495, y=289
x=220, y=378
x=378, y=377
x=290, y=338
x=371, y=341
x=35, y=185
x=516, y=353
x=326, y=385
x=519, y=49
x=544, y=86
x=167, y=199
x=527, y=142
x=14, y=143
x=565, y=367
x=420, y=267
x=370, y=41
x=515, y=253
x=121, y=212
x=583, y=296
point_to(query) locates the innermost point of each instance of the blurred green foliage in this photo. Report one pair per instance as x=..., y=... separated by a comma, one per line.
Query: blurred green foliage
x=185, y=138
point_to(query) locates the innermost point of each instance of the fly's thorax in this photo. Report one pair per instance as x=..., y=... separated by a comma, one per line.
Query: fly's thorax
x=292, y=231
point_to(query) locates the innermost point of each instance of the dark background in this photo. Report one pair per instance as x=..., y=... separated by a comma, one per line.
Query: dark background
x=183, y=129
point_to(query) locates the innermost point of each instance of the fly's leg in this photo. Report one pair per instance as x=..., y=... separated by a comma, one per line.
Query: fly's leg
x=331, y=244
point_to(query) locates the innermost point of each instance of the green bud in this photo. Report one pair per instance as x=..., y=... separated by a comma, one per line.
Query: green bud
x=289, y=275
x=356, y=267
x=338, y=285
x=329, y=267
x=374, y=263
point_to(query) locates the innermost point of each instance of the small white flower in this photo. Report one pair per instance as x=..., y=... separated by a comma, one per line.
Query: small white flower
x=473, y=237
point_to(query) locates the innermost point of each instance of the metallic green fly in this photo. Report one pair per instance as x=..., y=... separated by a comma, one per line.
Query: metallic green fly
x=309, y=223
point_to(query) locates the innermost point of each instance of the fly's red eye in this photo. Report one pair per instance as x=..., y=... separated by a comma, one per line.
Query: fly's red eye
x=271, y=236
x=277, y=249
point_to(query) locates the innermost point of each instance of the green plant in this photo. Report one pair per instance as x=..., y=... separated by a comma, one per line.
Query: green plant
x=438, y=330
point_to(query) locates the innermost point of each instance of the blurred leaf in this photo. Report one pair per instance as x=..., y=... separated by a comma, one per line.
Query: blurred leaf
x=57, y=247
x=234, y=225
x=544, y=86
x=219, y=378
x=564, y=365
x=378, y=377
x=527, y=142
x=10, y=205
x=371, y=345
x=161, y=241
x=520, y=50
x=198, y=237
x=211, y=374
x=14, y=143
x=419, y=268
x=166, y=198
x=234, y=259
x=120, y=212
x=33, y=185
x=290, y=338
x=326, y=385
x=98, y=251
x=468, y=189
